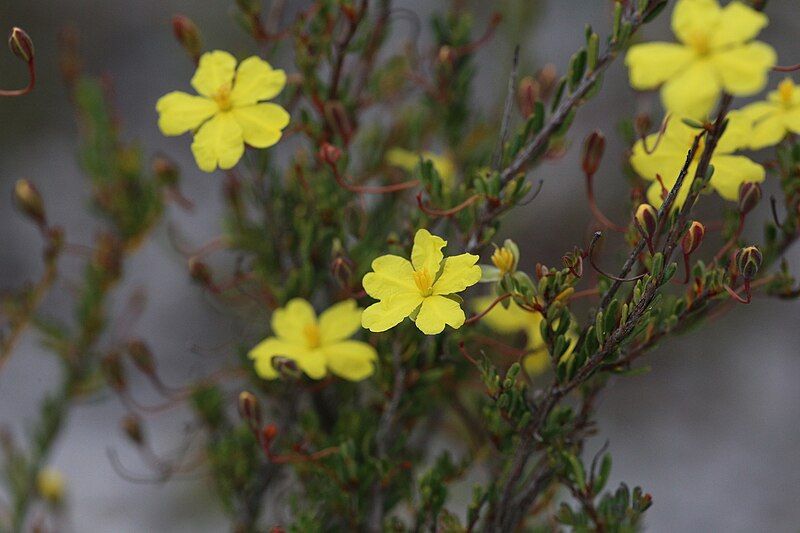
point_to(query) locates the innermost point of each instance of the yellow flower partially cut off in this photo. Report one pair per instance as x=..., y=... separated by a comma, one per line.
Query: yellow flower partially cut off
x=229, y=111
x=316, y=345
x=422, y=289
x=774, y=118
x=408, y=161
x=715, y=52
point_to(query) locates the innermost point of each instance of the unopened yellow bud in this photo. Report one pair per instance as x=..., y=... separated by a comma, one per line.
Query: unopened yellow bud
x=50, y=485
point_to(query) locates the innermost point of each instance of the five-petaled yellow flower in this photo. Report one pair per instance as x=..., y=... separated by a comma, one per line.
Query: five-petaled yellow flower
x=515, y=319
x=716, y=52
x=422, y=289
x=317, y=346
x=408, y=160
x=775, y=117
x=669, y=156
x=229, y=111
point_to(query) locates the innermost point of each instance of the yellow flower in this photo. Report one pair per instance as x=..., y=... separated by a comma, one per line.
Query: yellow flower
x=775, y=117
x=515, y=319
x=316, y=345
x=422, y=289
x=50, y=485
x=669, y=156
x=229, y=111
x=408, y=160
x=716, y=52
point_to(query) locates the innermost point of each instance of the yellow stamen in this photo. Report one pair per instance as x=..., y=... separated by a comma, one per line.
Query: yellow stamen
x=700, y=42
x=223, y=97
x=503, y=259
x=786, y=92
x=424, y=281
x=312, y=335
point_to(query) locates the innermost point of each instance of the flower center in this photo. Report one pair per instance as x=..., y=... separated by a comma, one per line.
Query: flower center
x=700, y=42
x=312, y=335
x=786, y=92
x=503, y=259
x=424, y=281
x=223, y=97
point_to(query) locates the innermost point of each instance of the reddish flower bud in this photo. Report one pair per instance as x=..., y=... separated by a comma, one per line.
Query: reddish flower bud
x=187, y=35
x=29, y=201
x=142, y=357
x=329, y=153
x=527, y=95
x=111, y=367
x=166, y=171
x=748, y=261
x=693, y=237
x=646, y=220
x=269, y=432
x=250, y=409
x=200, y=272
x=642, y=124
x=107, y=256
x=21, y=44
x=547, y=78
x=593, y=148
x=749, y=196
x=133, y=429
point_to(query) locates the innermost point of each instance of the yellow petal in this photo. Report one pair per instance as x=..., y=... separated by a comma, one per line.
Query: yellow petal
x=179, y=112
x=504, y=320
x=351, y=360
x=443, y=165
x=693, y=91
x=218, y=142
x=289, y=322
x=339, y=322
x=651, y=64
x=402, y=158
x=744, y=69
x=769, y=124
x=261, y=123
x=436, y=311
x=427, y=251
x=665, y=160
x=730, y=171
x=270, y=347
x=459, y=272
x=391, y=311
x=256, y=80
x=392, y=275
x=312, y=363
x=537, y=363
x=791, y=120
x=214, y=71
x=738, y=133
x=654, y=192
x=693, y=18
x=738, y=23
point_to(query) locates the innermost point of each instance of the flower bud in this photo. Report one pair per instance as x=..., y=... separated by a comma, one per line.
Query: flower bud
x=166, y=171
x=269, y=432
x=133, y=429
x=107, y=256
x=593, y=149
x=749, y=196
x=142, y=357
x=200, y=272
x=250, y=409
x=748, y=261
x=547, y=78
x=329, y=153
x=642, y=124
x=188, y=35
x=506, y=257
x=527, y=95
x=646, y=220
x=21, y=44
x=693, y=237
x=446, y=55
x=111, y=367
x=50, y=485
x=29, y=201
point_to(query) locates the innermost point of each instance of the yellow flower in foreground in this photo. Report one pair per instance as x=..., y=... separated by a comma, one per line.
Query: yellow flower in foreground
x=316, y=345
x=50, y=485
x=669, y=156
x=515, y=319
x=422, y=289
x=716, y=52
x=229, y=111
x=408, y=160
x=775, y=117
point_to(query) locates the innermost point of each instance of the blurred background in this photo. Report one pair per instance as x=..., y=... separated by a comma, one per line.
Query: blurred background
x=712, y=432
